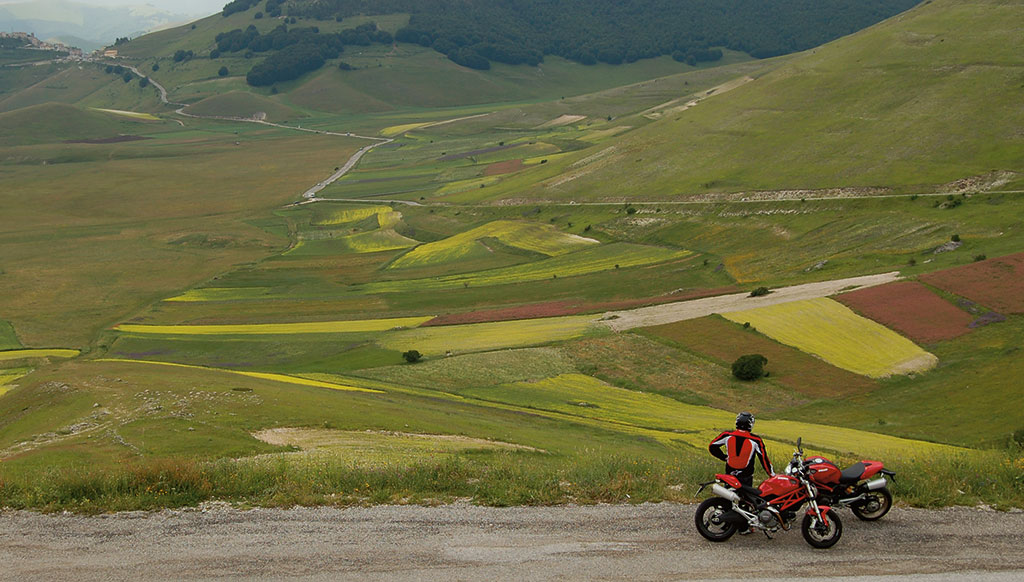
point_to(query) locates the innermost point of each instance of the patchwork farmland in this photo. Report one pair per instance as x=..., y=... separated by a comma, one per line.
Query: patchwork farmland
x=829, y=330
x=459, y=314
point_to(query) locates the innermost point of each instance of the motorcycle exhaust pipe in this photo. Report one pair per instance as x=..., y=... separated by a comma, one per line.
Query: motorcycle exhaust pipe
x=725, y=493
x=876, y=484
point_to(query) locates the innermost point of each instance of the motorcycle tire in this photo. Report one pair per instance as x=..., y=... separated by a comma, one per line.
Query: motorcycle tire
x=822, y=537
x=707, y=513
x=877, y=504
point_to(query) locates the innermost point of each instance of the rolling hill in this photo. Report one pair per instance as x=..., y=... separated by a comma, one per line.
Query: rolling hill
x=927, y=98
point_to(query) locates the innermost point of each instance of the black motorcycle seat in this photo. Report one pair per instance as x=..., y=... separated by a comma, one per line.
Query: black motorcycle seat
x=751, y=491
x=852, y=474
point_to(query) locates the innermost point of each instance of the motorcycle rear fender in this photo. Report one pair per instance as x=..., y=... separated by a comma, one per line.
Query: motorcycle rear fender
x=729, y=480
x=824, y=509
x=871, y=468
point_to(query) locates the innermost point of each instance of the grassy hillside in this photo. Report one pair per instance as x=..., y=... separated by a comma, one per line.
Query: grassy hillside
x=56, y=123
x=928, y=97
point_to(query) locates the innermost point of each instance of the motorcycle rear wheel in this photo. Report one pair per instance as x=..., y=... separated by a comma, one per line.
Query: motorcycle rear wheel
x=876, y=504
x=819, y=535
x=708, y=520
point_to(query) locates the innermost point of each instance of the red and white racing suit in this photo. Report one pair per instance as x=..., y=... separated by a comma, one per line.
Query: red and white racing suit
x=743, y=449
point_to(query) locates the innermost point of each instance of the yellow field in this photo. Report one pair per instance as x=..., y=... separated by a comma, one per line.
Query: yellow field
x=54, y=353
x=261, y=375
x=479, y=337
x=377, y=241
x=350, y=326
x=669, y=420
x=836, y=334
x=400, y=129
x=220, y=294
x=593, y=259
x=529, y=236
x=350, y=215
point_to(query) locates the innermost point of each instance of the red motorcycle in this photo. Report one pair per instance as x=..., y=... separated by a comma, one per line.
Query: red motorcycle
x=861, y=487
x=771, y=507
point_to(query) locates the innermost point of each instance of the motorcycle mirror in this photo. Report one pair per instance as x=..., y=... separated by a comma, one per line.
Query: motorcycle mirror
x=799, y=444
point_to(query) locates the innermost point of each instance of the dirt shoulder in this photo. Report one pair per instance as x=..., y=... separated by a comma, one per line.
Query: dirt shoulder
x=464, y=542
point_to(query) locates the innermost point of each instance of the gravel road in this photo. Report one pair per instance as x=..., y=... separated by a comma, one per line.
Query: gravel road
x=465, y=542
x=694, y=308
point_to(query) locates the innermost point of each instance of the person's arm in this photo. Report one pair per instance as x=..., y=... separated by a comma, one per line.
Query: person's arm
x=715, y=448
x=763, y=453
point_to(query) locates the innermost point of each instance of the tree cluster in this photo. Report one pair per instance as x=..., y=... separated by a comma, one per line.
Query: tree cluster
x=614, y=31
x=183, y=55
x=238, y=6
x=298, y=50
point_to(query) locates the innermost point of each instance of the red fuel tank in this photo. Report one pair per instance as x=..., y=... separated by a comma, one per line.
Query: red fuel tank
x=824, y=471
x=779, y=485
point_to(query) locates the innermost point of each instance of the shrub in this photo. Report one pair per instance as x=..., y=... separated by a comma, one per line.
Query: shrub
x=979, y=258
x=759, y=292
x=223, y=72
x=412, y=356
x=749, y=367
x=955, y=238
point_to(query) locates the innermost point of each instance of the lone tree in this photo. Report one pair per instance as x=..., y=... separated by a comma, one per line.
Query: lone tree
x=749, y=367
x=412, y=356
x=223, y=72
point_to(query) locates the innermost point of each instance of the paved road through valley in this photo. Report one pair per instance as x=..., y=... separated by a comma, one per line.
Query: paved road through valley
x=465, y=542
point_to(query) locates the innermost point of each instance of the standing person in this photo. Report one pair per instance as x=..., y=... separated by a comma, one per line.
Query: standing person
x=743, y=449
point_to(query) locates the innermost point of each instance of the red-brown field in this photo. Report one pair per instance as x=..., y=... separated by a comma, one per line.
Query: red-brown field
x=560, y=308
x=788, y=366
x=996, y=283
x=506, y=167
x=911, y=309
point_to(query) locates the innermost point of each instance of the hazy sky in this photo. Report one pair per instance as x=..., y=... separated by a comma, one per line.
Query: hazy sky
x=195, y=7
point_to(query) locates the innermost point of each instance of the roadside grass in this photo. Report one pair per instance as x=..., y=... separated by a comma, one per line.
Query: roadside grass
x=831, y=331
x=493, y=479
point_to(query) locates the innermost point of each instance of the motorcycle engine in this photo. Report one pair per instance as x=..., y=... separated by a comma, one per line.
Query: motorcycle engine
x=767, y=518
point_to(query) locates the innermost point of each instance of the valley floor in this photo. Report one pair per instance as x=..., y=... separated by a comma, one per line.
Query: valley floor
x=465, y=542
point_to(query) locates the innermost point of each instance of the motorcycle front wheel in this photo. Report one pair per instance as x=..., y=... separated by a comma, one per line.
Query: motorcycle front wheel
x=819, y=535
x=708, y=520
x=876, y=504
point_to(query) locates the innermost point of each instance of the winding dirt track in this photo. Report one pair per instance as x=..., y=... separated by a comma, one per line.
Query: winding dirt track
x=464, y=542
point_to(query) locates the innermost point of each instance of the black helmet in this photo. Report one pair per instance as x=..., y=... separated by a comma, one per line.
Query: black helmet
x=745, y=421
